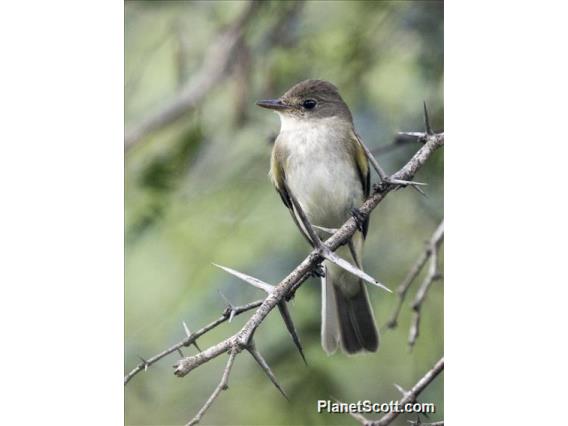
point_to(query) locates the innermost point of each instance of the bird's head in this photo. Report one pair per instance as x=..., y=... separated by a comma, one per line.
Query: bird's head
x=309, y=100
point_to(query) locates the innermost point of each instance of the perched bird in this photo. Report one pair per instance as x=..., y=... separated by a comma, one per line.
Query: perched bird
x=318, y=158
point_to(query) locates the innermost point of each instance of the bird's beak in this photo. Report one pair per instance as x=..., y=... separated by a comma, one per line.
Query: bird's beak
x=275, y=104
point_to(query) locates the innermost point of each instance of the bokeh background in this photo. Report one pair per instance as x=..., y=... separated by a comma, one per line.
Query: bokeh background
x=197, y=192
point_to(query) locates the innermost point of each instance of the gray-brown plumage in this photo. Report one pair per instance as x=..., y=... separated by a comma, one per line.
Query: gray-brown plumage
x=317, y=156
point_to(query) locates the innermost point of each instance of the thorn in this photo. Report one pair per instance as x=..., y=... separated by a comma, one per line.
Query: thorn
x=332, y=257
x=188, y=334
x=146, y=365
x=230, y=306
x=405, y=182
x=401, y=389
x=186, y=328
x=181, y=353
x=291, y=329
x=419, y=135
x=262, y=363
x=255, y=282
x=417, y=188
x=225, y=299
x=427, y=121
x=330, y=231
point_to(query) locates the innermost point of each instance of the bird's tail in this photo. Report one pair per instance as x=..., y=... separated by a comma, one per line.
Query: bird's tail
x=347, y=316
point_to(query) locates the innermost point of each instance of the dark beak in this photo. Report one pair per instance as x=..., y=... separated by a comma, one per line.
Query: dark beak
x=275, y=104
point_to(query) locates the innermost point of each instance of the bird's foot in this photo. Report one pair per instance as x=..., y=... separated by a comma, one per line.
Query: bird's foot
x=359, y=217
x=318, y=271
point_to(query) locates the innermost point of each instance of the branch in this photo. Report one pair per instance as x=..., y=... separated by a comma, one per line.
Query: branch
x=223, y=385
x=432, y=247
x=215, y=68
x=284, y=312
x=280, y=293
x=408, y=397
x=228, y=314
x=338, y=239
x=432, y=275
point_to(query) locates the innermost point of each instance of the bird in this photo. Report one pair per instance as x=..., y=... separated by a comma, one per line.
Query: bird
x=318, y=159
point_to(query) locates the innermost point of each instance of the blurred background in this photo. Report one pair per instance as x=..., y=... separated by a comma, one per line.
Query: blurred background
x=197, y=192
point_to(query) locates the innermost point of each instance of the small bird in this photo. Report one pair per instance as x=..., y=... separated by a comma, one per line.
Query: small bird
x=319, y=159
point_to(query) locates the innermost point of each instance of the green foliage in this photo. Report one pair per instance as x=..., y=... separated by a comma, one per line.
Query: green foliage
x=197, y=192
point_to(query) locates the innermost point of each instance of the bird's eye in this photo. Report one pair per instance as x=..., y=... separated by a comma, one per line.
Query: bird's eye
x=309, y=104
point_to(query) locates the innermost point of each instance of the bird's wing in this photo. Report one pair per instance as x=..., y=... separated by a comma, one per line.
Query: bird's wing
x=278, y=178
x=362, y=163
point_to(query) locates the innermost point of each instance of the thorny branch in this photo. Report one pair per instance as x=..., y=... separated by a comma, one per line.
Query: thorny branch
x=279, y=294
x=407, y=397
x=191, y=338
x=223, y=385
x=431, y=252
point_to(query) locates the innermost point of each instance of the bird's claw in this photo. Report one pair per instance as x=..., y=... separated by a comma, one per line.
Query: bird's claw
x=359, y=218
x=318, y=271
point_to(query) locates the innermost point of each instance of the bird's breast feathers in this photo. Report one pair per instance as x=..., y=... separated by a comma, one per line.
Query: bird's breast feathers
x=317, y=160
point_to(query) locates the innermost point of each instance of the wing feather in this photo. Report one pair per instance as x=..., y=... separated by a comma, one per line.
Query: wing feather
x=362, y=163
x=278, y=178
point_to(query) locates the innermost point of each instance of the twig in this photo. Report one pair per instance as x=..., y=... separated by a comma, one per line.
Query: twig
x=223, y=385
x=280, y=291
x=432, y=246
x=432, y=275
x=188, y=334
x=408, y=396
x=189, y=340
x=215, y=68
x=419, y=423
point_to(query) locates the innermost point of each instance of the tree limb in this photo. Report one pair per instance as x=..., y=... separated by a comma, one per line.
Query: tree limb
x=341, y=237
x=228, y=314
x=223, y=385
x=215, y=68
x=432, y=275
x=280, y=293
x=431, y=251
x=408, y=397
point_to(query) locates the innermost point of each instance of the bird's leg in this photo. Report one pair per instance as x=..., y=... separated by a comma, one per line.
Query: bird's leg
x=359, y=217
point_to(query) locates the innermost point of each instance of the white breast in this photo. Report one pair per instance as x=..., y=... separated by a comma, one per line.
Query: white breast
x=319, y=170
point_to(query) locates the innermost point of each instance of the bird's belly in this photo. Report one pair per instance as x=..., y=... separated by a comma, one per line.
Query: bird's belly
x=327, y=191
